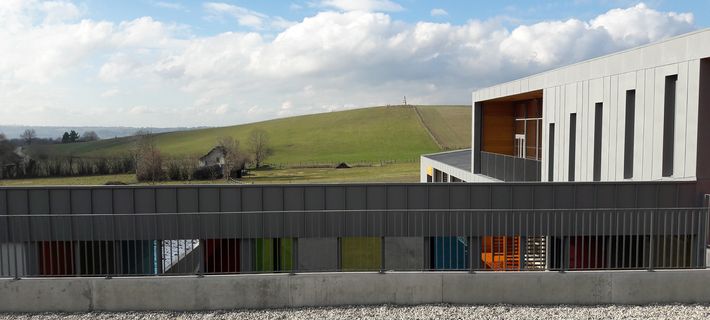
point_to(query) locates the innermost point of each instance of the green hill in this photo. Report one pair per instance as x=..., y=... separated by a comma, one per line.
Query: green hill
x=368, y=134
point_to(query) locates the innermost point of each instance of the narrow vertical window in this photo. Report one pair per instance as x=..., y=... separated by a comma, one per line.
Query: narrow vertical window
x=629, y=134
x=551, y=153
x=669, y=125
x=572, y=144
x=598, y=141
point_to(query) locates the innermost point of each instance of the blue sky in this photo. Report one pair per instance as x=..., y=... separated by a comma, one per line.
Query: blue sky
x=196, y=63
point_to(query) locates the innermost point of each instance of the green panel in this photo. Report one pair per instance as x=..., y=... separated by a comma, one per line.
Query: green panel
x=264, y=255
x=361, y=254
x=286, y=256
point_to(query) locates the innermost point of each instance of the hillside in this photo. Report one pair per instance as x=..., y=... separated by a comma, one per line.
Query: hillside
x=368, y=134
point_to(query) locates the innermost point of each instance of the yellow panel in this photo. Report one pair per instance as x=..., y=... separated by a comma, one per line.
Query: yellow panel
x=430, y=171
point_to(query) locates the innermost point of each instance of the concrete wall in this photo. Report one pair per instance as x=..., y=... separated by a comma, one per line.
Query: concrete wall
x=279, y=290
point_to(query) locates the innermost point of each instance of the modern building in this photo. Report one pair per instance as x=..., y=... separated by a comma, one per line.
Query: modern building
x=635, y=115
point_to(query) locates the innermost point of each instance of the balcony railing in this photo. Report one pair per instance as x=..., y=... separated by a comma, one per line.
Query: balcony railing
x=509, y=168
x=113, y=245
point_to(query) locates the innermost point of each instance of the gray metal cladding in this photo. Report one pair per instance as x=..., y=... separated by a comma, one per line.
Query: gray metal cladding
x=357, y=210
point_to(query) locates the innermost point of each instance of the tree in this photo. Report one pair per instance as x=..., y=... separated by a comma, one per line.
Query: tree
x=233, y=157
x=89, y=136
x=29, y=135
x=149, y=161
x=73, y=136
x=65, y=137
x=259, y=146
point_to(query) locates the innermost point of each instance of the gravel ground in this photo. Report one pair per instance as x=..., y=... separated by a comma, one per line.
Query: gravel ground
x=416, y=312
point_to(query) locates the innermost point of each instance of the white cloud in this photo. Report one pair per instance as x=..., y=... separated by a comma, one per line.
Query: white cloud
x=170, y=5
x=363, y=5
x=244, y=17
x=328, y=61
x=438, y=12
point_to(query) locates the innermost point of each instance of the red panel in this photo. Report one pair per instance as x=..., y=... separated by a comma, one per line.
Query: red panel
x=585, y=253
x=221, y=255
x=56, y=258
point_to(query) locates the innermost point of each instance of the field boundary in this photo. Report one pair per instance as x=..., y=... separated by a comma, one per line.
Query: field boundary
x=427, y=129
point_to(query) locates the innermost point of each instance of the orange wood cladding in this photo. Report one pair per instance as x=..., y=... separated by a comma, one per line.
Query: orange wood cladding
x=498, y=127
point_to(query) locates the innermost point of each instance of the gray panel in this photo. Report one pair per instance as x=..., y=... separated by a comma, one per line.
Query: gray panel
x=564, y=196
x=314, y=198
x=625, y=196
x=166, y=200
x=480, y=196
x=519, y=169
x=438, y=197
x=522, y=197
x=396, y=197
x=18, y=202
x=251, y=225
x=460, y=196
x=544, y=196
x=39, y=205
x=209, y=200
x=417, y=197
x=92, y=201
x=605, y=195
x=188, y=202
x=667, y=195
x=272, y=224
x=251, y=199
x=127, y=222
x=355, y=198
x=230, y=205
x=688, y=195
x=584, y=196
x=145, y=200
x=294, y=199
x=211, y=218
x=230, y=199
x=334, y=221
x=273, y=199
x=145, y=203
x=403, y=253
x=376, y=199
x=647, y=196
x=3, y=202
x=317, y=254
x=501, y=197
x=60, y=201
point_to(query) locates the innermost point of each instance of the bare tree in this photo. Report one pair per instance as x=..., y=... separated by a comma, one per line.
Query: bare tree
x=149, y=161
x=29, y=135
x=89, y=136
x=259, y=146
x=234, y=159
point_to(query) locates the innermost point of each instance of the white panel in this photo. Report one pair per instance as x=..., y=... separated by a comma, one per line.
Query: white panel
x=606, y=124
x=691, y=135
x=681, y=116
x=638, y=124
x=611, y=122
x=648, y=126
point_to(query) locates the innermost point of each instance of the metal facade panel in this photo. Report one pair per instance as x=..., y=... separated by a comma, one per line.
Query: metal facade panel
x=251, y=198
x=230, y=199
x=209, y=199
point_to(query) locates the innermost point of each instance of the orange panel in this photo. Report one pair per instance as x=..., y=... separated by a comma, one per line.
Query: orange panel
x=501, y=253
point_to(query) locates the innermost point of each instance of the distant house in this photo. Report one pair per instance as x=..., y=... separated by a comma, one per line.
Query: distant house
x=214, y=157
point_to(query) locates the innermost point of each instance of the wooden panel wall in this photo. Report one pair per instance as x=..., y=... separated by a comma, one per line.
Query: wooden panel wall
x=498, y=128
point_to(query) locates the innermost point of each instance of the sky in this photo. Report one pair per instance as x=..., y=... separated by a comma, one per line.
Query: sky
x=177, y=63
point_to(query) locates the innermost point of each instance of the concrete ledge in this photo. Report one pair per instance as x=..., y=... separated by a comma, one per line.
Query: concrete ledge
x=332, y=289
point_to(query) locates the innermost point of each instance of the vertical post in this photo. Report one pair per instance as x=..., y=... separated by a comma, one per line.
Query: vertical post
x=651, y=245
x=382, y=254
x=294, y=256
x=477, y=130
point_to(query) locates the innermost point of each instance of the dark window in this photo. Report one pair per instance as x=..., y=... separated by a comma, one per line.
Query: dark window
x=629, y=134
x=669, y=125
x=598, y=141
x=551, y=153
x=572, y=144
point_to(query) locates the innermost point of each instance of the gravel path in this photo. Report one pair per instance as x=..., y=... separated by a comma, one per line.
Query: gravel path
x=416, y=312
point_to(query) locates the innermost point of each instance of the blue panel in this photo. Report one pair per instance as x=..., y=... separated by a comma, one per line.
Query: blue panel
x=450, y=253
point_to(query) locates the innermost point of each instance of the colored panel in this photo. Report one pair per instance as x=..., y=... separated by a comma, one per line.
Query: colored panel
x=449, y=253
x=221, y=255
x=361, y=253
x=56, y=258
x=501, y=253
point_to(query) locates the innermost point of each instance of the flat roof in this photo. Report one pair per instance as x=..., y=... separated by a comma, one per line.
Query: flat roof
x=460, y=158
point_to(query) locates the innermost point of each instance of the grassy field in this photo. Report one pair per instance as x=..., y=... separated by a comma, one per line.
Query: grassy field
x=400, y=172
x=368, y=134
x=450, y=125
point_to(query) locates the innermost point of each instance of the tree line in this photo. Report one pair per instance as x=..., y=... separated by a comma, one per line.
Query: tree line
x=29, y=136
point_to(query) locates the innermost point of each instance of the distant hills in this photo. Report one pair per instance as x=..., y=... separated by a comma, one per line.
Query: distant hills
x=13, y=131
x=368, y=134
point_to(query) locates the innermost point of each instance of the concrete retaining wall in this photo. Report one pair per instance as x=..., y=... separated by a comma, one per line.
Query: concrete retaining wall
x=331, y=289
